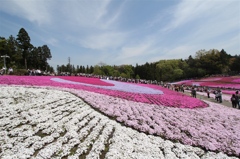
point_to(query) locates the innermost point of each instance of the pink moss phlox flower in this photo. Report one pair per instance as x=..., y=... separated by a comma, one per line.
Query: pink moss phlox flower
x=228, y=92
x=236, y=80
x=115, y=85
x=210, y=79
x=215, y=128
x=221, y=82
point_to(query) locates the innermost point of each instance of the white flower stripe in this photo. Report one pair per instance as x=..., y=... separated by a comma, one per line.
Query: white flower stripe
x=53, y=128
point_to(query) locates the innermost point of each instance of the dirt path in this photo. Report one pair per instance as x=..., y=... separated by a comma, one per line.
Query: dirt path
x=211, y=99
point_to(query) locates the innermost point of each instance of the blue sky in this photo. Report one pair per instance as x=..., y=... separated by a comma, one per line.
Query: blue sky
x=117, y=32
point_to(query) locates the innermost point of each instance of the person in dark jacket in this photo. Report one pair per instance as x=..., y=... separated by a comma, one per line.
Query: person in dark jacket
x=234, y=101
x=193, y=92
x=237, y=99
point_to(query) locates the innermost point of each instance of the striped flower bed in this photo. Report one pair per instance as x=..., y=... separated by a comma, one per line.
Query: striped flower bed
x=52, y=122
x=133, y=92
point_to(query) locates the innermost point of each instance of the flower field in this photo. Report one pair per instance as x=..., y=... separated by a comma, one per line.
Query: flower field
x=232, y=82
x=54, y=117
x=133, y=92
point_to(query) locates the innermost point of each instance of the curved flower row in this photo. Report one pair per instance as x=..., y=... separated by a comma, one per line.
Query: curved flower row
x=48, y=123
x=231, y=79
x=222, y=82
x=169, y=98
x=230, y=92
x=116, y=86
x=198, y=127
x=210, y=84
x=236, y=80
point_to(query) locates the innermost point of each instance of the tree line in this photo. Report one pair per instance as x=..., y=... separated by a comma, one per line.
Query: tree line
x=205, y=63
x=22, y=54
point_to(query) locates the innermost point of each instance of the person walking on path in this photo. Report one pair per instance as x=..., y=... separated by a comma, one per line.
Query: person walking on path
x=234, y=101
x=220, y=96
x=208, y=93
x=193, y=92
x=237, y=99
x=216, y=95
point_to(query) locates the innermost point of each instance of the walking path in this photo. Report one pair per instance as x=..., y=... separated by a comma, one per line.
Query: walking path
x=201, y=96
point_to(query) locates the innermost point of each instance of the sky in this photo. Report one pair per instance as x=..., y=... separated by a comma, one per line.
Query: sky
x=118, y=32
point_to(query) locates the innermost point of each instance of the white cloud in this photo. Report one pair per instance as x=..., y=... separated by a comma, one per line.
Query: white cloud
x=132, y=53
x=84, y=13
x=34, y=11
x=102, y=41
x=73, y=14
x=194, y=11
x=51, y=41
x=203, y=25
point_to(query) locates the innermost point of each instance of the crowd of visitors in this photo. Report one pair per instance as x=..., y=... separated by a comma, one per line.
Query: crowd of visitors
x=38, y=72
x=122, y=79
x=29, y=72
x=235, y=98
x=34, y=72
x=4, y=70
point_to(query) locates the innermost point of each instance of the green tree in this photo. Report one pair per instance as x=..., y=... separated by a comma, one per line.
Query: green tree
x=127, y=71
x=24, y=44
x=116, y=73
x=87, y=69
x=97, y=70
x=91, y=69
x=83, y=69
x=235, y=64
x=225, y=61
x=34, y=58
x=170, y=69
x=107, y=70
x=3, y=49
x=209, y=62
x=13, y=52
x=137, y=77
x=177, y=73
x=45, y=54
